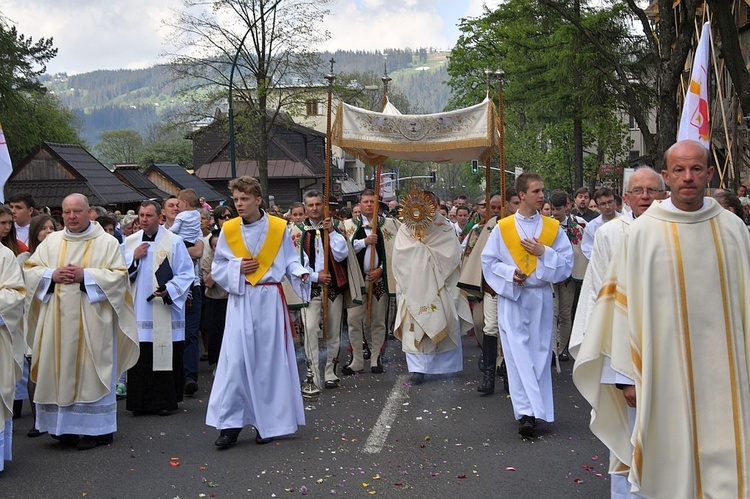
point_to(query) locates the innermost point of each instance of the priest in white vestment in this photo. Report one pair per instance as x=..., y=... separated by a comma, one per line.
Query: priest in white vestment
x=673, y=316
x=162, y=274
x=432, y=313
x=79, y=312
x=525, y=254
x=12, y=292
x=257, y=381
x=645, y=186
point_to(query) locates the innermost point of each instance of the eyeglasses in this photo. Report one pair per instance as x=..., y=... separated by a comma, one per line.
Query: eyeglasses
x=226, y=216
x=482, y=205
x=638, y=191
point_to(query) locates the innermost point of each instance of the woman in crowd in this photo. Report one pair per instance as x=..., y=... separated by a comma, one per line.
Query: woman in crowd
x=8, y=232
x=222, y=213
x=129, y=225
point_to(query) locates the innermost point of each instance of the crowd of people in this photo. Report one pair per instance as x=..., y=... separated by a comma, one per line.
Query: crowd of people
x=645, y=291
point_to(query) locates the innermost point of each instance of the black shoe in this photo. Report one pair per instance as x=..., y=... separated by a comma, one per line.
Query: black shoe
x=526, y=426
x=66, y=438
x=164, y=412
x=227, y=438
x=348, y=371
x=204, y=357
x=33, y=433
x=564, y=357
x=191, y=387
x=330, y=384
x=416, y=378
x=260, y=440
x=88, y=442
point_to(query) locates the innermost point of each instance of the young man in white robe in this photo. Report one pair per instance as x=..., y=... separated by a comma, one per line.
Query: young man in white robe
x=524, y=255
x=156, y=382
x=644, y=187
x=432, y=313
x=257, y=382
x=12, y=345
x=673, y=316
x=604, y=198
x=79, y=313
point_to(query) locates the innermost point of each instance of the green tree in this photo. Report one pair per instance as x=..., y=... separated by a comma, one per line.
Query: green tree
x=553, y=75
x=166, y=144
x=277, y=57
x=119, y=146
x=29, y=115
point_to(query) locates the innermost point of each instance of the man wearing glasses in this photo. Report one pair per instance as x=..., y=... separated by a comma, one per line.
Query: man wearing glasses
x=605, y=201
x=644, y=187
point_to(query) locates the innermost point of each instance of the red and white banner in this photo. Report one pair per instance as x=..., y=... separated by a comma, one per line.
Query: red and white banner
x=694, y=123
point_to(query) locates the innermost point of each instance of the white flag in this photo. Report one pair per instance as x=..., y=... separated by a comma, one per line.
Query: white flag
x=694, y=124
x=6, y=167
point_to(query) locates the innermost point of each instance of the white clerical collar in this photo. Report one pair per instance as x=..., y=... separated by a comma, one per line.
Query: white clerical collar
x=532, y=217
x=84, y=231
x=255, y=223
x=667, y=203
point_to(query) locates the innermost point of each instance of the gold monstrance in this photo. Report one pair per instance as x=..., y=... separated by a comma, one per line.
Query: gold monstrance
x=417, y=211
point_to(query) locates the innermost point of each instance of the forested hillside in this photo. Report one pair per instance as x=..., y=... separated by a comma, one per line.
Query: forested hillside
x=137, y=99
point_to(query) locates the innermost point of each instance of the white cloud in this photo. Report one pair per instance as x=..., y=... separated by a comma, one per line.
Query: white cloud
x=392, y=23
x=95, y=34
x=113, y=34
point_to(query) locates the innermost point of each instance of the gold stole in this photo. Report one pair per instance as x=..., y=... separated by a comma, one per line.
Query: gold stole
x=266, y=255
x=526, y=261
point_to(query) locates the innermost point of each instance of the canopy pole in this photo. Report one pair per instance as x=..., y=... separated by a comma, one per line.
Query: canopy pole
x=327, y=196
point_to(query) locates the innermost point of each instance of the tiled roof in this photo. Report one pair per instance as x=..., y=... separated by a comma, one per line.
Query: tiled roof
x=185, y=180
x=138, y=181
x=277, y=168
x=57, y=170
x=52, y=192
x=107, y=187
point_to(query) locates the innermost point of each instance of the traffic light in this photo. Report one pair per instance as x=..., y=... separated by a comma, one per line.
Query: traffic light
x=474, y=166
x=433, y=176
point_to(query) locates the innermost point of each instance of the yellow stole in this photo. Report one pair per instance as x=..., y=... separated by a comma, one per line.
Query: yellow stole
x=526, y=261
x=267, y=254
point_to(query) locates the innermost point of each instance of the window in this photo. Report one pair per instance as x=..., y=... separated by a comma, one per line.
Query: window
x=313, y=107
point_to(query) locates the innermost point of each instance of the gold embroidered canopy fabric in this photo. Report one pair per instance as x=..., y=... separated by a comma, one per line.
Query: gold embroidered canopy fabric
x=450, y=137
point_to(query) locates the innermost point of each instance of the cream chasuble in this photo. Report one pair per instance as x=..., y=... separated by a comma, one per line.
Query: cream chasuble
x=673, y=315
x=12, y=292
x=609, y=239
x=432, y=312
x=73, y=355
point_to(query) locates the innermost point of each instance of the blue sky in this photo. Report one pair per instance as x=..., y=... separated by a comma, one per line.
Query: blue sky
x=114, y=34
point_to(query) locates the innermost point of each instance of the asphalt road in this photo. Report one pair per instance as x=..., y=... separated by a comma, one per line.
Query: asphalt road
x=374, y=436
